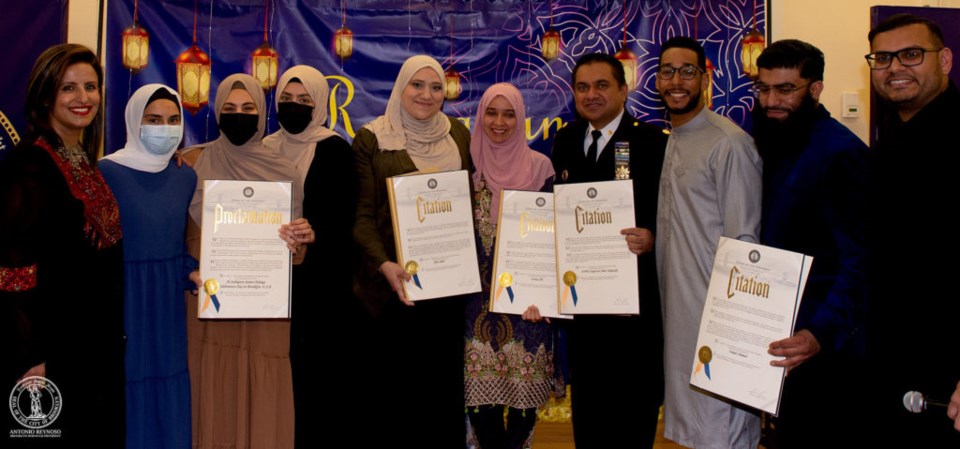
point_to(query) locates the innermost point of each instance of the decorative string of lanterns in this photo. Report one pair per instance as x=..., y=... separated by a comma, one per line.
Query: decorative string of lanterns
x=343, y=37
x=451, y=78
x=752, y=45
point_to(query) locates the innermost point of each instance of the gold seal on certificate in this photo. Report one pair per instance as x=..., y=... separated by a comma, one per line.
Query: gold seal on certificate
x=752, y=300
x=597, y=272
x=433, y=232
x=246, y=266
x=524, y=262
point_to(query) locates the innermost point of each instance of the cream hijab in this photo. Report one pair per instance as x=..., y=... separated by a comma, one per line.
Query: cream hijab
x=299, y=148
x=133, y=154
x=428, y=142
x=251, y=161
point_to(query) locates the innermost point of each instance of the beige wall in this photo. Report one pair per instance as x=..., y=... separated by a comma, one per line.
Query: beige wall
x=839, y=28
x=82, y=23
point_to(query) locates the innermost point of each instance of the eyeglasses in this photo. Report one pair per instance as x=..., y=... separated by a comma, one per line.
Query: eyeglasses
x=783, y=90
x=908, y=57
x=687, y=72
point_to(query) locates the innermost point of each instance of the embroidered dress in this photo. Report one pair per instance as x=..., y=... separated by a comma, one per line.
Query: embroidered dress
x=507, y=360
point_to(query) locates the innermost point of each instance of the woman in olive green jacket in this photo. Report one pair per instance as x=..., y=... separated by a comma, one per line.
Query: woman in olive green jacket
x=417, y=351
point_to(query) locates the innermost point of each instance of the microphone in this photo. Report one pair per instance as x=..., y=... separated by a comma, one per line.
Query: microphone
x=916, y=402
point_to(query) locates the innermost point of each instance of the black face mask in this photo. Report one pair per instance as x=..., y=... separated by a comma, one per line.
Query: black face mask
x=294, y=117
x=238, y=128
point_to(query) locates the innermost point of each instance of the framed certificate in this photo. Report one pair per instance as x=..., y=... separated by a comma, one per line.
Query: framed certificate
x=525, y=261
x=596, y=273
x=433, y=228
x=244, y=264
x=752, y=300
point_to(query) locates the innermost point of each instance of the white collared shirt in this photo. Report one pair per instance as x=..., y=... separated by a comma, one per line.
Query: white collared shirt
x=605, y=136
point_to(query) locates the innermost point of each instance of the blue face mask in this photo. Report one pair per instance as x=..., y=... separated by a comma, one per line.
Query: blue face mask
x=160, y=139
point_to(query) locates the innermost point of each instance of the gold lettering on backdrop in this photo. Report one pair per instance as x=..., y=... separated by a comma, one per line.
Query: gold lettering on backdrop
x=737, y=282
x=585, y=217
x=425, y=207
x=335, y=109
x=240, y=216
x=528, y=225
x=544, y=127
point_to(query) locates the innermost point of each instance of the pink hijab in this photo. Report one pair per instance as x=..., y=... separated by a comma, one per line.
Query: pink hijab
x=510, y=165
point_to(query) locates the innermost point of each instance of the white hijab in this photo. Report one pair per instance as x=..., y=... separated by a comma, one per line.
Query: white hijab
x=428, y=142
x=133, y=154
x=299, y=148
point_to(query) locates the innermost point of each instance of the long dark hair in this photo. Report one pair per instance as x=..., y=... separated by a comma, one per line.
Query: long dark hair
x=45, y=79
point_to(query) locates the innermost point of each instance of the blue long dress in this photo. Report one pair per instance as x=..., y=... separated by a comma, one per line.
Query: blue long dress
x=153, y=215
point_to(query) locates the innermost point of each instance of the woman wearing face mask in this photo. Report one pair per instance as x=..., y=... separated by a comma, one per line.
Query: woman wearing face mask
x=503, y=160
x=240, y=369
x=153, y=194
x=61, y=262
x=325, y=164
x=422, y=345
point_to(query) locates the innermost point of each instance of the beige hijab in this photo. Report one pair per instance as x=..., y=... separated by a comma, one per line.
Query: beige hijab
x=251, y=161
x=428, y=142
x=299, y=148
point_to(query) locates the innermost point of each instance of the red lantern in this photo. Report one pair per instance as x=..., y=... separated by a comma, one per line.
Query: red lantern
x=193, y=78
x=753, y=44
x=136, y=44
x=708, y=89
x=135, y=47
x=343, y=42
x=451, y=85
x=550, y=45
x=264, y=67
x=629, y=61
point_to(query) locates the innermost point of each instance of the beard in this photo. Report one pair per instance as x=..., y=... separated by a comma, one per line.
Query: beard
x=691, y=105
x=786, y=136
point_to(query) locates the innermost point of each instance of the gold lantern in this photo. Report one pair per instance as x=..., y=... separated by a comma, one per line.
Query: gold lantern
x=264, y=66
x=136, y=47
x=708, y=89
x=451, y=84
x=193, y=78
x=629, y=61
x=753, y=44
x=136, y=43
x=550, y=46
x=343, y=42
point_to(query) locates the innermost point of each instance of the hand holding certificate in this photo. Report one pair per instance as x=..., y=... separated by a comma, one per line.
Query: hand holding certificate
x=596, y=272
x=752, y=300
x=525, y=264
x=433, y=229
x=244, y=265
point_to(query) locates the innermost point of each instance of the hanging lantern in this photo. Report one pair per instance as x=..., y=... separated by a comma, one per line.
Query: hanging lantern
x=629, y=61
x=136, y=47
x=550, y=45
x=264, y=60
x=708, y=89
x=343, y=42
x=451, y=84
x=753, y=44
x=193, y=78
x=264, y=66
x=136, y=44
x=751, y=47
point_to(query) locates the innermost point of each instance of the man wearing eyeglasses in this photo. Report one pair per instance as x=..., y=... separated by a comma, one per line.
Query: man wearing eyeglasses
x=814, y=202
x=709, y=187
x=614, y=404
x=913, y=300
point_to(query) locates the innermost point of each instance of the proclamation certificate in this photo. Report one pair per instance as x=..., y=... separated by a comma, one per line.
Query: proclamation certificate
x=752, y=300
x=433, y=229
x=596, y=273
x=244, y=264
x=525, y=261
